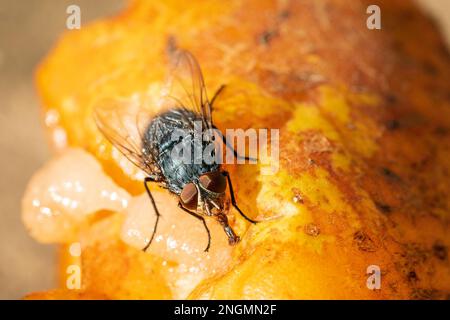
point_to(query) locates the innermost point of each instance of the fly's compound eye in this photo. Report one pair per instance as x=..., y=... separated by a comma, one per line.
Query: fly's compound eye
x=213, y=181
x=189, y=196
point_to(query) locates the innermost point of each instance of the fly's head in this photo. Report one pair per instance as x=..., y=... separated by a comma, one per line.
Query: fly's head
x=206, y=195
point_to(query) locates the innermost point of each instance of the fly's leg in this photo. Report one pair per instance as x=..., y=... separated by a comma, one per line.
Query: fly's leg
x=146, y=181
x=229, y=146
x=224, y=139
x=211, y=103
x=200, y=218
x=232, y=237
x=233, y=199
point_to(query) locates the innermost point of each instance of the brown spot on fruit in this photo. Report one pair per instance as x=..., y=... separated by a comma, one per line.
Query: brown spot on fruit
x=312, y=229
x=388, y=173
x=384, y=208
x=298, y=198
x=412, y=276
x=440, y=251
x=392, y=124
x=266, y=37
x=424, y=294
x=391, y=99
x=364, y=242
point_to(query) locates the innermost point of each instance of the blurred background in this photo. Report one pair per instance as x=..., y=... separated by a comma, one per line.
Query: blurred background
x=28, y=29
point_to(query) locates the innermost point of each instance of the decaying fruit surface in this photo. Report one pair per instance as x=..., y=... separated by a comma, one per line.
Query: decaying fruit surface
x=364, y=120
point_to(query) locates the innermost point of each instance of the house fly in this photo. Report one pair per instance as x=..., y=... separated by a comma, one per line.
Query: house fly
x=145, y=137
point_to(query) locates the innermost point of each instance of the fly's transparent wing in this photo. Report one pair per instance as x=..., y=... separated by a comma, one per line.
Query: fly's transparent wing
x=185, y=87
x=118, y=120
x=125, y=122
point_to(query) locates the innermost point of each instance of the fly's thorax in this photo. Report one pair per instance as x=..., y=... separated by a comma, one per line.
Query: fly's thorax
x=178, y=148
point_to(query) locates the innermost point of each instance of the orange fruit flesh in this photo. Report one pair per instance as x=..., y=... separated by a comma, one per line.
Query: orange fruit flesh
x=363, y=176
